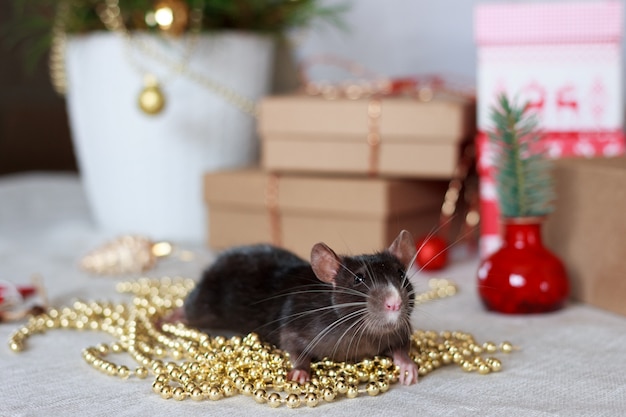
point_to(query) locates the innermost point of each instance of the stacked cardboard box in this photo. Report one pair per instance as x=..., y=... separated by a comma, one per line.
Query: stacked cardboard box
x=318, y=180
x=588, y=230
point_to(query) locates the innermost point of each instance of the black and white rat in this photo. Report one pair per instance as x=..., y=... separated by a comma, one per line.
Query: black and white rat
x=345, y=308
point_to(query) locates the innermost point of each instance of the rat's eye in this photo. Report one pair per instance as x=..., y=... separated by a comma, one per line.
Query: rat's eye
x=359, y=278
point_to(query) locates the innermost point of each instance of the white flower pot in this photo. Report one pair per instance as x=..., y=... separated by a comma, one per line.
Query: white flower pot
x=143, y=173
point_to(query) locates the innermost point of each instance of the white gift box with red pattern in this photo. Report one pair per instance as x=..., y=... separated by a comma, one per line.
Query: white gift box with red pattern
x=564, y=60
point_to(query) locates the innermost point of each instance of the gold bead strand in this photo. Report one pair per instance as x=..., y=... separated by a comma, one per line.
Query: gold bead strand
x=204, y=367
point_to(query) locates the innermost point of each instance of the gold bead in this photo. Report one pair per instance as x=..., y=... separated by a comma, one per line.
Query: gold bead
x=329, y=394
x=196, y=394
x=247, y=389
x=228, y=390
x=110, y=368
x=179, y=393
x=215, y=393
x=141, y=372
x=495, y=364
x=490, y=347
x=341, y=387
x=353, y=391
x=157, y=386
x=372, y=389
x=166, y=392
x=311, y=399
x=506, y=347
x=123, y=372
x=383, y=385
x=175, y=373
x=157, y=364
x=467, y=366
x=293, y=401
x=239, y=382
x=279, y=382
x=292, y=387
x=260, y=395
x=16, y=346
x=274, y=400
x=102, y=348
x=484, y=369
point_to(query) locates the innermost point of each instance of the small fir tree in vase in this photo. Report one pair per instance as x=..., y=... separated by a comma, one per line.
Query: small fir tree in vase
x=522, y=276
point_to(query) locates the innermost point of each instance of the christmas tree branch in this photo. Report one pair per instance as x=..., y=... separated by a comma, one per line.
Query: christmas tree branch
x=523, y=179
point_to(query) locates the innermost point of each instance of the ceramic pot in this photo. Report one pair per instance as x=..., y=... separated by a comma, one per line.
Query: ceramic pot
x=523, y=276
x=143, y=173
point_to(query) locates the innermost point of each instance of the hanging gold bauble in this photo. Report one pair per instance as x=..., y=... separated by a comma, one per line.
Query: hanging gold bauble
x=171, y=16
x=151, y=98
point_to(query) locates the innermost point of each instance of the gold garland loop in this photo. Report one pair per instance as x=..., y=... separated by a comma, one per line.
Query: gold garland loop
x=187, y=363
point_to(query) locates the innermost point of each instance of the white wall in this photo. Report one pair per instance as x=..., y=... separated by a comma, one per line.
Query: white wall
x=401, y=37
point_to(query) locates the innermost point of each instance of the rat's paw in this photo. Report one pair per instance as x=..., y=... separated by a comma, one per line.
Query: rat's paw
x=408, y=373
x=299, y=375
x=408, y=368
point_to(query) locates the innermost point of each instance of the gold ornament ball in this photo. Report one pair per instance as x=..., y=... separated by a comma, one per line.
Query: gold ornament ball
x=151, y=99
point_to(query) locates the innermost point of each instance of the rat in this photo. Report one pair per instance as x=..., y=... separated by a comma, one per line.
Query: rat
x=345, y=308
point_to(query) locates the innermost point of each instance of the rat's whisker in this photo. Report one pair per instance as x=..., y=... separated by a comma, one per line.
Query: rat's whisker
x=359, y=322
x=320, y=336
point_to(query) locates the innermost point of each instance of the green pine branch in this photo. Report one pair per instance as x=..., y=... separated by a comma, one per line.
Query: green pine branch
x=31, y=21
x=523, y=178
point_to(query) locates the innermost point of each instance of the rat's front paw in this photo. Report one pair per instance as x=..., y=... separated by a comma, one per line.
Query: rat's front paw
x=408, y=373
x=299, y=375
x=408, y=368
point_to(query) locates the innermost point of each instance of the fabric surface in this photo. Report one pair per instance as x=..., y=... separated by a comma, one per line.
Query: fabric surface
x=570, y=363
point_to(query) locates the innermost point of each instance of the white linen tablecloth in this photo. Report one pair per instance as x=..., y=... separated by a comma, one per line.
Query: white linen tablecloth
x=571, y=362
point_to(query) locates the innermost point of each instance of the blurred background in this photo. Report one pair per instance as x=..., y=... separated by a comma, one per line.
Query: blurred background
x=395, y=37
x=34, y=132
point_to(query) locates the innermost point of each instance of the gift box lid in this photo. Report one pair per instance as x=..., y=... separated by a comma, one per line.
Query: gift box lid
x=443, y=119
x=344, y=195
x=555, y=22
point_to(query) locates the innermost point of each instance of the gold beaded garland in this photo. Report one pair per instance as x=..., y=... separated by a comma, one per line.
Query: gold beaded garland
x=187, y=363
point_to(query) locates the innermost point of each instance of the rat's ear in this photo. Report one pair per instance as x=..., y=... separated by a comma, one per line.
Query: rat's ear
x=325, y=263
x=403, y=248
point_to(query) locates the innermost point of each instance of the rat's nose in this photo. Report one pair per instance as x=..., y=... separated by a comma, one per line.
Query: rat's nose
x=393, y=302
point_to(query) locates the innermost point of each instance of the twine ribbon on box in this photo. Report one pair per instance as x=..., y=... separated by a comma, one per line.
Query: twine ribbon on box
x=375, y=87
x=273, y=208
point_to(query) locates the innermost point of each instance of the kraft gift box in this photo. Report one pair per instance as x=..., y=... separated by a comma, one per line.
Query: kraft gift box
x=414, y=139
x=588, y=230
x=351, y=214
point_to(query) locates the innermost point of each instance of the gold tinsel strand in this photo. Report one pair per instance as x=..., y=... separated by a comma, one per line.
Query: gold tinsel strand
x=187, y=363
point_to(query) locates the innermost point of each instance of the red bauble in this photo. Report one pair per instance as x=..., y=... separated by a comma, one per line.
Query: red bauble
x=432, y=253
x=522, y=276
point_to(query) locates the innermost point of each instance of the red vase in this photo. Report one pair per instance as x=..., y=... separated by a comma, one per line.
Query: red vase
x=523, y=276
